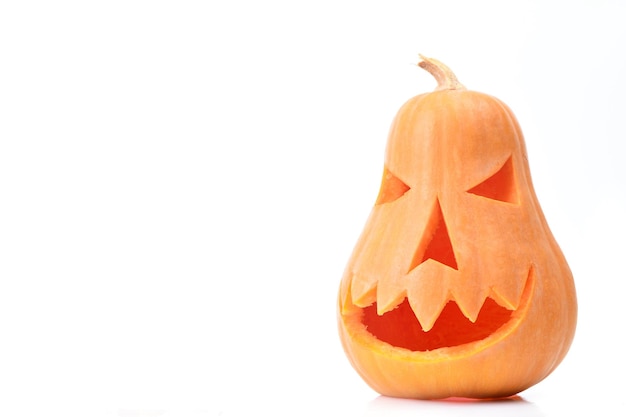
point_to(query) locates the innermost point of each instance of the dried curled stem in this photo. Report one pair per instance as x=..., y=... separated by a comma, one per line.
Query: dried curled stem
x=446, y=80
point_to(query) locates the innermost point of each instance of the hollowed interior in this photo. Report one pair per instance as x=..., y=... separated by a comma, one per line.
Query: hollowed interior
x=400, y=327
x=435, y=243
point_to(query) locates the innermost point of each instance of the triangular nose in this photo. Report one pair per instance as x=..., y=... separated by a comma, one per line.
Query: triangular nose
x=435, y=243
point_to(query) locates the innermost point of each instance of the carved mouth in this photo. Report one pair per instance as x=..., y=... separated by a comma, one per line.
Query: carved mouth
x=401, y=328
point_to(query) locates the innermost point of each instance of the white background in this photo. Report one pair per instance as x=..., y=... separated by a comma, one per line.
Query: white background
x=182, y=182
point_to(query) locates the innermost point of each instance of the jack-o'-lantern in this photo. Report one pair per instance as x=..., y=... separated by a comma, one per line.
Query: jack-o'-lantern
x=456, y=287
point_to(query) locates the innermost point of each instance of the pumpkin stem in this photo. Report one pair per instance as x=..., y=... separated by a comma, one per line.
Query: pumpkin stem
x=446, y=80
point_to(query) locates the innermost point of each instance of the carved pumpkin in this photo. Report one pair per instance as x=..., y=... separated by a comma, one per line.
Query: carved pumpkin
x=456, y=287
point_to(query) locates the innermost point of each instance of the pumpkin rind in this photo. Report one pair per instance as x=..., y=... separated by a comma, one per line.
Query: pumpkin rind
x=465, y=190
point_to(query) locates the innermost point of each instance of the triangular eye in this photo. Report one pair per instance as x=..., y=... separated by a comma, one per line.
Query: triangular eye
x=391, y=188
x=500, y=186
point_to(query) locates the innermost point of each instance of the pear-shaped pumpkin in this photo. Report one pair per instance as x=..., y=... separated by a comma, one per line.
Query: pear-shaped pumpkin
x=456, y=287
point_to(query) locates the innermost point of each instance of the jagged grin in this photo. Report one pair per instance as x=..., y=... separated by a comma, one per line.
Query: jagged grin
x=434, y=301
x=401, y=328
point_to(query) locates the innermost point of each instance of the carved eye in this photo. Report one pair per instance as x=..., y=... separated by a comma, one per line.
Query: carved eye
x=500, y=186
x=391, y=188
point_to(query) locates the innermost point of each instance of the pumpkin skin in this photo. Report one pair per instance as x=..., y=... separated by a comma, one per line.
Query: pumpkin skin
x=456, y=286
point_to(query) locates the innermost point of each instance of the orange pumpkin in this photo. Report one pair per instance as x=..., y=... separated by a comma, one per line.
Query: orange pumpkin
x=456, y=287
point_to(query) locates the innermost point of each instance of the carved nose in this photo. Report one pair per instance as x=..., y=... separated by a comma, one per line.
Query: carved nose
x=435, y=243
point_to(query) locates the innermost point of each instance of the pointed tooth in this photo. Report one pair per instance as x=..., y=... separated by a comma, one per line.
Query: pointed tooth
x=428, y=296
x=503, y=300
x=388, y=298
x=390, y=292
x=427, y=313
x=470, y=303
x=345, y=293
x=509, y=296
x=363, y=291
